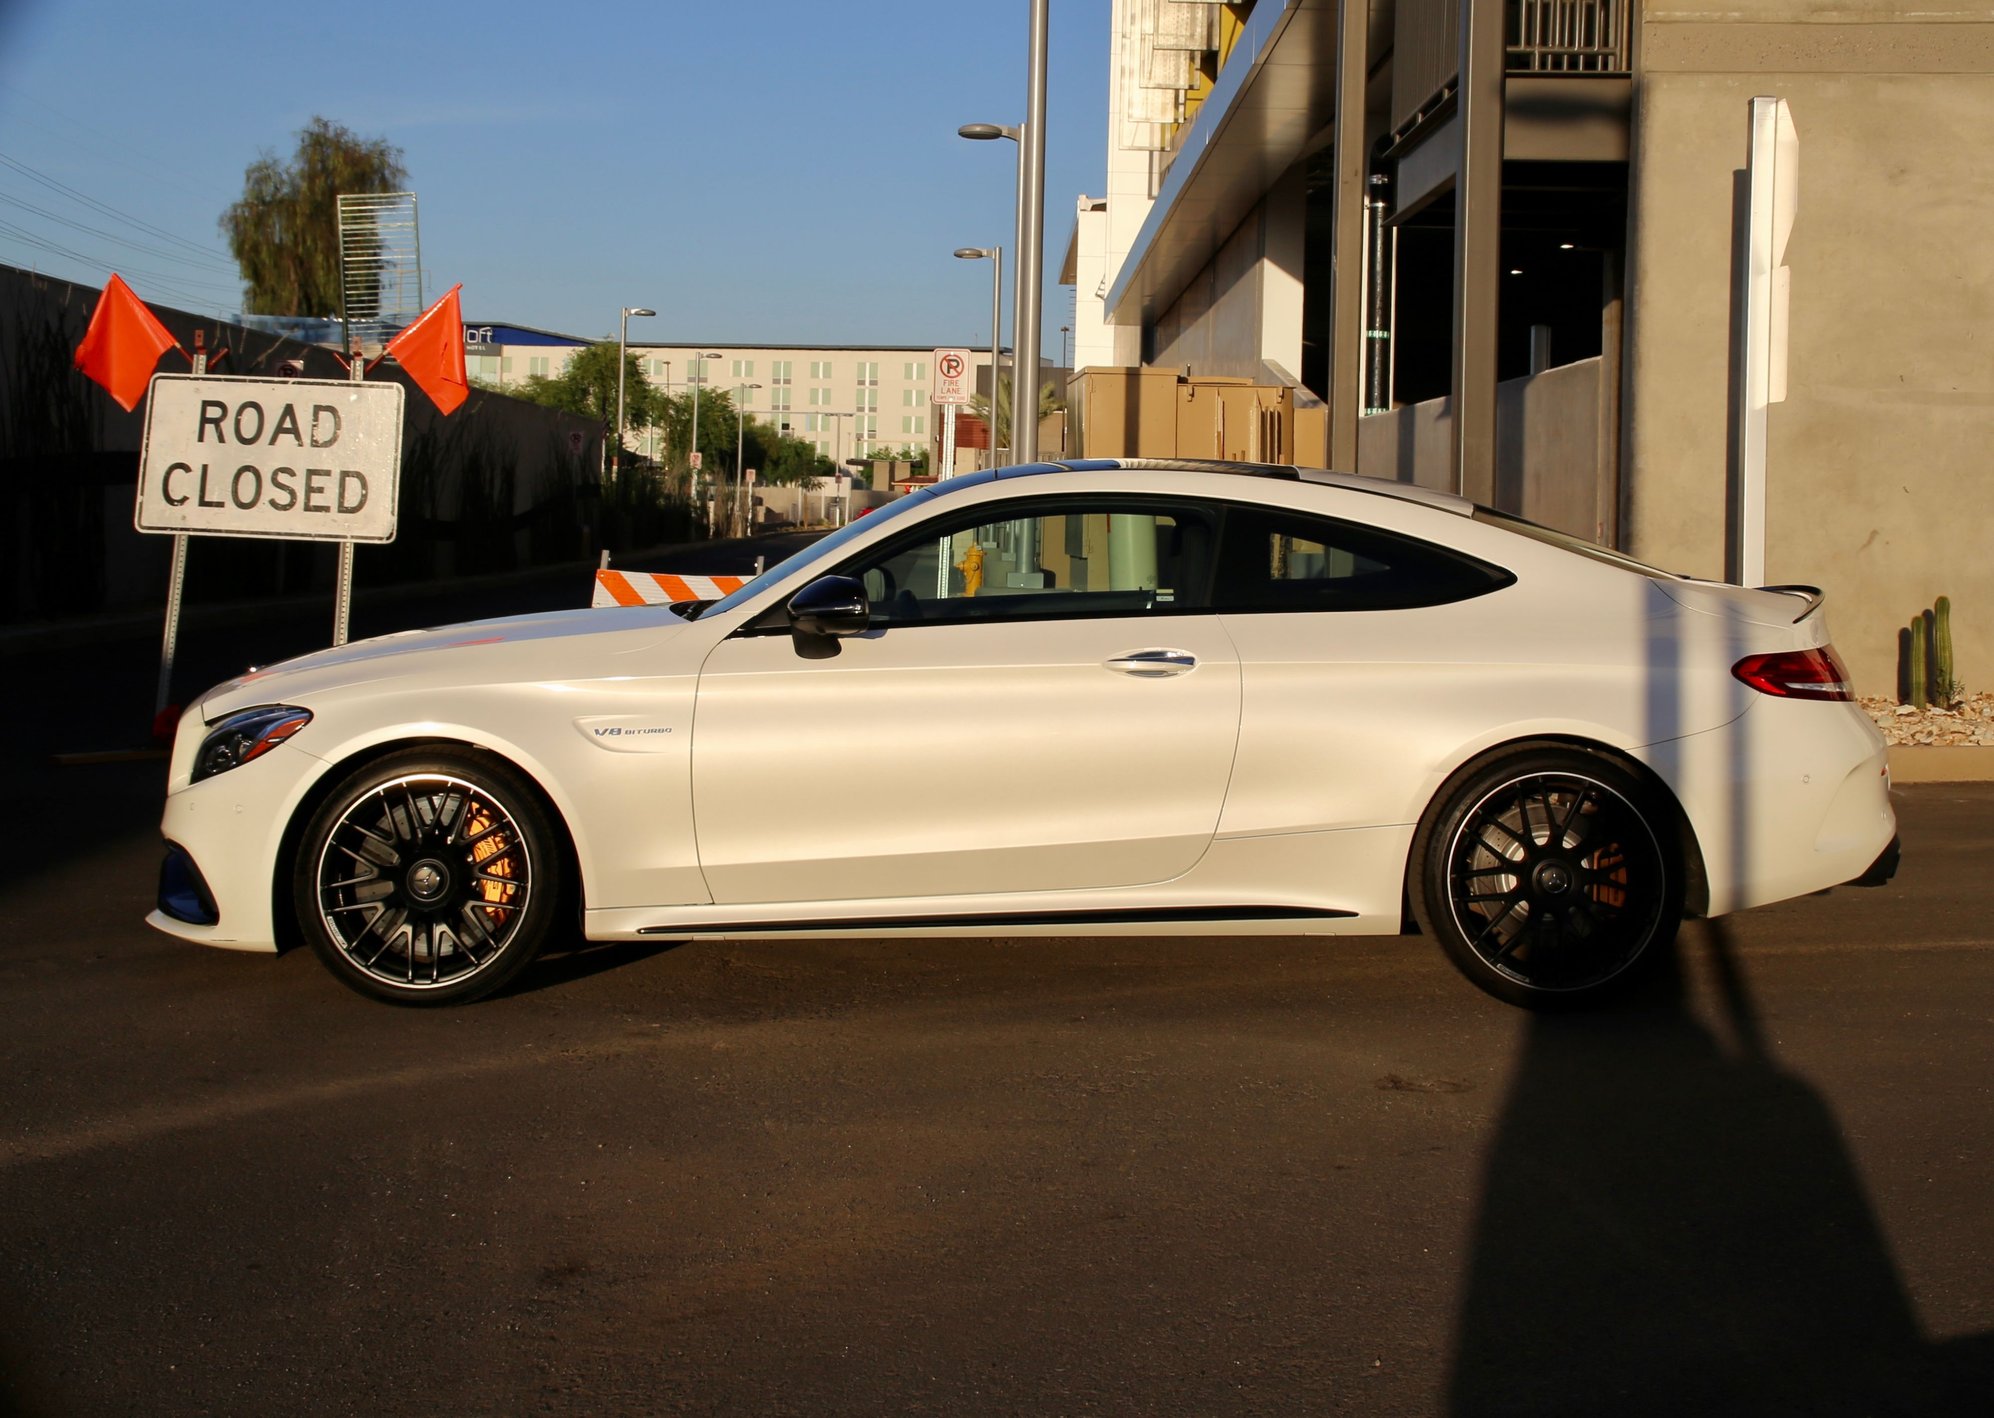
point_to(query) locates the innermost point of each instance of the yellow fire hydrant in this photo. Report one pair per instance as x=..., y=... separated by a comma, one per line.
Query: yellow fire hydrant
x=971, y=567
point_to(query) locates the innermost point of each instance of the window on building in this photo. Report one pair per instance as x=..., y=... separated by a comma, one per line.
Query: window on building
x=914, y=369
x=779, y=371
x=868, y=373
x=778, y=398
x=819, y=397
x=537, y=364
x=915, y=424
x=744, y=369
x=913, y=398
x=820, y=369
x=866, y=398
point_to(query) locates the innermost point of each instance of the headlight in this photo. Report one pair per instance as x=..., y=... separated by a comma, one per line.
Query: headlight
x=247, y=734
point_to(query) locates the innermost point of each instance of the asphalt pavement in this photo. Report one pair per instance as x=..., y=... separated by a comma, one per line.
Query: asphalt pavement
x=1025, y=1176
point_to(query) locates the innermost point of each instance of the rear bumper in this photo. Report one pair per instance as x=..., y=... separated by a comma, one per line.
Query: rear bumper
x=1884, y=867
x=1790, y=798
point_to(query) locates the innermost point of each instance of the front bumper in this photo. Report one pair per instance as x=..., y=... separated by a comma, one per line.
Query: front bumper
x=228, y=832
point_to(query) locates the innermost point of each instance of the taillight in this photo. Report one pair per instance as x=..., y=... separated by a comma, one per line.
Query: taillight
x=1797, y=674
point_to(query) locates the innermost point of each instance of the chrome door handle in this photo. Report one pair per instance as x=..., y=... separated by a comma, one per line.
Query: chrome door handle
x=1153, y=664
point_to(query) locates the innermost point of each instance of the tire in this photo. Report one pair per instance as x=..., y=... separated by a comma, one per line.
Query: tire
x=1549, y=875
x=429, y=877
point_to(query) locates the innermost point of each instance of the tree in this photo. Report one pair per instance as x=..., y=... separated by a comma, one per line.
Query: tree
x=284, y=233
x=979, y=404
x=905, y=453
x=588, y=387
x=716, y=426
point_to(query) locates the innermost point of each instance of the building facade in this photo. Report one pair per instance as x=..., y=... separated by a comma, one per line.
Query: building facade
x=1500, y=241
x=846, y=400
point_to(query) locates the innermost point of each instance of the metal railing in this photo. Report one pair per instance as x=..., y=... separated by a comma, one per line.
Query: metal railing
x=1540, y=37
x=1568, y=37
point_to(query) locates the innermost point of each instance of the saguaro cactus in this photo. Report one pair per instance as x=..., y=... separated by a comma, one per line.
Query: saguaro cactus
x=1917, y=676
x=1945, y=688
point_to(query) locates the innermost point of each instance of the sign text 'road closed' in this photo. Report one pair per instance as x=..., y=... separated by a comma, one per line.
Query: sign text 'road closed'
x=317, y=459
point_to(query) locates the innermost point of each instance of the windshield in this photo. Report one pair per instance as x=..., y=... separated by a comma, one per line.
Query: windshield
x=817, y=551
x=1564, y=540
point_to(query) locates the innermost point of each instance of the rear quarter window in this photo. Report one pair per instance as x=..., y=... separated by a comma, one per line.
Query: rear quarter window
x=1274, y=560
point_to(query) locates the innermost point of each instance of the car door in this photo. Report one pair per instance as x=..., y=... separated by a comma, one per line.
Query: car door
x=1041, y=703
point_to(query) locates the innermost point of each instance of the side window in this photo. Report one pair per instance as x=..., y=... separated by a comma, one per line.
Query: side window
x=1093, y=558
x=1270, y=560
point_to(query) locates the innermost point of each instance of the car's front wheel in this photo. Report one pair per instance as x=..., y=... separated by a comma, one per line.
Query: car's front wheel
x=429, y=877
x=1548, y=875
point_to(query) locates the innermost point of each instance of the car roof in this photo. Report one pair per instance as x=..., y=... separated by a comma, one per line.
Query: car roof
x=1352, y=482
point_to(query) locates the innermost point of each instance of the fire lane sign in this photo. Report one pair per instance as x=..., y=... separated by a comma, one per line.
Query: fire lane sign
x=951, y=377
x=309, y=459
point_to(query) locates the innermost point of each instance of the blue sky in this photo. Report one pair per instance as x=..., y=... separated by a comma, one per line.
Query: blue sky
x=784, y=171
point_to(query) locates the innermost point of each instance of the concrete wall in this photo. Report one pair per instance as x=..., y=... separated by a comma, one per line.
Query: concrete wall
x=1244, y=309
x=1547, y=446
x=1881, y=481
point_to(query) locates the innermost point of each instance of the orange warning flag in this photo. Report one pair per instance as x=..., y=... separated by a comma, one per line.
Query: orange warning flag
x=432, y=351
x=123, y=343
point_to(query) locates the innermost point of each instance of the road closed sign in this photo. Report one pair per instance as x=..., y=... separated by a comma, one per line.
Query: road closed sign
x=313, y=459
x=952, y=377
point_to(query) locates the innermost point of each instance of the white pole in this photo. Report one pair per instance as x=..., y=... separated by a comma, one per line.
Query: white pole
x=1772, y=168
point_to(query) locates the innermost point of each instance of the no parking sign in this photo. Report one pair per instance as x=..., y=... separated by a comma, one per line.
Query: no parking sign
x=951, y=377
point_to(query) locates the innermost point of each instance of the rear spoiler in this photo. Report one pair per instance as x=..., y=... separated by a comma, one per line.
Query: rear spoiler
x=1813, y=595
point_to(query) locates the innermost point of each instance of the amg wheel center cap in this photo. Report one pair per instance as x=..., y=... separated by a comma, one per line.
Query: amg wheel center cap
x=428, y=880
x=1553, y=879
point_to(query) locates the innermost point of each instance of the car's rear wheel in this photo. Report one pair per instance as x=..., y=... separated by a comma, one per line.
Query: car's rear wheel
x=1548, y=875
x=429, y=877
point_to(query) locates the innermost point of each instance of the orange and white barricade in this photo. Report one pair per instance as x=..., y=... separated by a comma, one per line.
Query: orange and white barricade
x=657, y=588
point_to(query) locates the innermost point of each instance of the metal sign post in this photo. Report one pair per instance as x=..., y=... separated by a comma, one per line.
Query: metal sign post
x=176, y=582
x=951, y=392
x=342, y=610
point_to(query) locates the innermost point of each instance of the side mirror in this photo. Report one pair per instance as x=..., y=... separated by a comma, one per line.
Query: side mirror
x=831, y=605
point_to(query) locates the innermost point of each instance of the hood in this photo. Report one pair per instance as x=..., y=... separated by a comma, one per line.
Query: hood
x=537, y=646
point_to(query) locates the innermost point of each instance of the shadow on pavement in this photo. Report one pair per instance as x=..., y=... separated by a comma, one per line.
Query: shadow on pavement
x=585, y=959
x=1671, y=1224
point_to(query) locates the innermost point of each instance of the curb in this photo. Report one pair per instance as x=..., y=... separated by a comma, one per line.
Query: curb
x=1949, y=764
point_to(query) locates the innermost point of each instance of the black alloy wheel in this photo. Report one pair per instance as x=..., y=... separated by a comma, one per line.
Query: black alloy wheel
x=1547, y=876
x=429, y=877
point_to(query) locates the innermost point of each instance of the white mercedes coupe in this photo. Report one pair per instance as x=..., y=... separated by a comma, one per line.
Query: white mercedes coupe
x=1095, y=697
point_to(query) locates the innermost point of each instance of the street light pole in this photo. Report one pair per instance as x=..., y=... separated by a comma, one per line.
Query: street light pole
x=1031, y=254
x=692, y=440
x=622, y=345
x=740, y=418
x=989, y=132
x=996, y=255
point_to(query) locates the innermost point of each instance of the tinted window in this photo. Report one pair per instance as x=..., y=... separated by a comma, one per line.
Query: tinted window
x=1270, y=560
x=1074, y=557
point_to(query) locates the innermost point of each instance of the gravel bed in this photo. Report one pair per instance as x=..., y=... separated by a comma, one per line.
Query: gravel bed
x=1967, y=724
